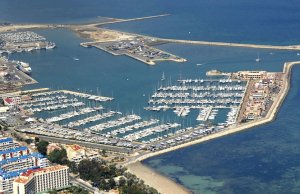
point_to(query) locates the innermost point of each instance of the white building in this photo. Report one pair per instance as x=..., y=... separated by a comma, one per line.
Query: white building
x=42, y=179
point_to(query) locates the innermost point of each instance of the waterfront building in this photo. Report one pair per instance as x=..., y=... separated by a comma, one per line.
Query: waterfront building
x=14, y=160
x=42, y=179
x=252, y=74
x=13, y=167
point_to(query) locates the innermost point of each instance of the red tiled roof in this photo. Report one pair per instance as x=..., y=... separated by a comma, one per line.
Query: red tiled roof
x=8, y=100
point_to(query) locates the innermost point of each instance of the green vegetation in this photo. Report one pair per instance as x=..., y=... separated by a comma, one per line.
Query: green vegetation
x=77, y=190
x=102, y=176
x=28, y=141
x=72, y=167
x=42, y=147
x=58, y=156
x=100, y=173
x=36, y=139
x=72, y=189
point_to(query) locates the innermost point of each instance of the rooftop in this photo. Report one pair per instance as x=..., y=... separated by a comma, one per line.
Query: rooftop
x=12, y=150
x=24, y=176
x=8, y=139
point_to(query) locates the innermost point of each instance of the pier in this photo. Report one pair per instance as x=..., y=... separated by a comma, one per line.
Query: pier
x=117, y=20
x=257, y=46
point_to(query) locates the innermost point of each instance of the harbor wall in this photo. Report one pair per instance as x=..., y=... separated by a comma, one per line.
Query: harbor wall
x=271, y=116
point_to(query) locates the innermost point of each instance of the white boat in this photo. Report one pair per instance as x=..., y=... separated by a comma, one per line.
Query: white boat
x=163, y=77
x=24, y=67
x=258, y=59
x=51, y=45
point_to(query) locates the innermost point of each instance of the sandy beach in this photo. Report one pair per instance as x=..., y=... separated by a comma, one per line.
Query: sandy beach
x=164, y=184
x=161, y=183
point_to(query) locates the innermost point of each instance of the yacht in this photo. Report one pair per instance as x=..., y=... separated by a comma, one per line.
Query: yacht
x=258, y=59
x=24, y=67
x=163, y=77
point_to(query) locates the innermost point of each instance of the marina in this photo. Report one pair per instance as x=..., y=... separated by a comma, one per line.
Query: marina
x=260, y=160
x=78, y=116
x=198, y=94
x=138, y=47
x=23, y=42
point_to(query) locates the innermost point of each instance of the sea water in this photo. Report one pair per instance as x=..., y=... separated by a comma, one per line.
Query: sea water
x=264, y=159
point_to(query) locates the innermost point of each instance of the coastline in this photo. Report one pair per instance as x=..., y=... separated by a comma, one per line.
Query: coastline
x=237, y=128
x=162, y=184
x=156, y=180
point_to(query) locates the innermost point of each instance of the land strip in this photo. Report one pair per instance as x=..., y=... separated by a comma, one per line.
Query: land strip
x=117, y=20
x=228, y=44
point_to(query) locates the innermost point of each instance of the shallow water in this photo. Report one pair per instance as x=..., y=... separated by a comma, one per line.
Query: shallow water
x=260, y=160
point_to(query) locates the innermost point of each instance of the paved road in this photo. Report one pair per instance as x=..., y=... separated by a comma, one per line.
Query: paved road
x=86, y=144
x=83, y=184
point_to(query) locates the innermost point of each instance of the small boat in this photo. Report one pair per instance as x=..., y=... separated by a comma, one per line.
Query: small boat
x=163, y=77
x=298, y=54
x=76, y=59
x=199, y=64
x=258, y=59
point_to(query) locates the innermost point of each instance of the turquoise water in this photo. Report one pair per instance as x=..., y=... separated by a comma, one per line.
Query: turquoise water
x=260, y=160
x=266, y=155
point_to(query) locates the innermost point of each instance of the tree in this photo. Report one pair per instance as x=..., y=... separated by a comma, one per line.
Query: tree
x=104, y=153
x=58, y=156
x=122, y=182
x=84, y=169
x=73, y=167
x=42, y=147
x=28, y=141
x=111, y=183
x=36, y=139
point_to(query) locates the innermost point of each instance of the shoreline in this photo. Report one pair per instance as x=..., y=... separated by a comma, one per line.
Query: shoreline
x=155, y=179
x=271, y=116
x=161, y=183
x=147, y=174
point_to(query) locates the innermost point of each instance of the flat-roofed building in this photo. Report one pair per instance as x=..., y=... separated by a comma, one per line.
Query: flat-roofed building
x=40, y=180
x=252, y=74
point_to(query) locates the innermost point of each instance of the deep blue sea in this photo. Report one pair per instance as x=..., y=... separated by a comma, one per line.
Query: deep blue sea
x=260, y=160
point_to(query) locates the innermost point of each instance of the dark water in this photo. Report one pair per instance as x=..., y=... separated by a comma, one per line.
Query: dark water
x=131, y=82
x=260, y=160
x=255, y=21
x=264, y=155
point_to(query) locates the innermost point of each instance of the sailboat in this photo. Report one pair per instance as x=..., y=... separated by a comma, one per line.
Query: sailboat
x=258, y=58
x=163, y=77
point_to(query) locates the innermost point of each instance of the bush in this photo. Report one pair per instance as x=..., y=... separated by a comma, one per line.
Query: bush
x=42, y=147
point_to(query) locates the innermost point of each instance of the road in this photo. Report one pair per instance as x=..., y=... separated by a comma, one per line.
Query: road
x=85, y=144
x=83, y=184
